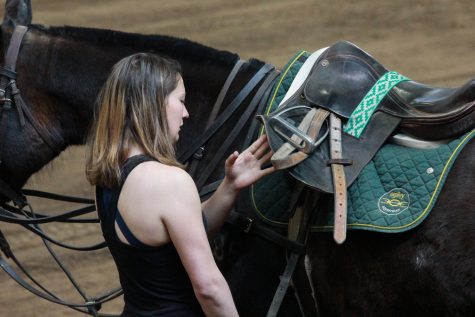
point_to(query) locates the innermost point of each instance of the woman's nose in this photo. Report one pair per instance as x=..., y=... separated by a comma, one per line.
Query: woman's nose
x=185, y=113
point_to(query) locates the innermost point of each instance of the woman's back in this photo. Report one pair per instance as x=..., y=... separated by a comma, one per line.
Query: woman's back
x=154, y=280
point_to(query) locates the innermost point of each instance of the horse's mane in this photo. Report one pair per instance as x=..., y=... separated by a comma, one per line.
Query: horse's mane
x=178, y=47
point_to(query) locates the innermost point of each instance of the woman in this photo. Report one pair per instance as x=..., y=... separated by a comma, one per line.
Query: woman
x=150, y=210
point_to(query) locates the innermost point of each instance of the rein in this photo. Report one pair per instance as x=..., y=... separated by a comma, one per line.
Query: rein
x=30, y=220
x=195, y=152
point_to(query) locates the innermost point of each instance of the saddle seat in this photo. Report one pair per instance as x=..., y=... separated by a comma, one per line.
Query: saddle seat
x=343, y=75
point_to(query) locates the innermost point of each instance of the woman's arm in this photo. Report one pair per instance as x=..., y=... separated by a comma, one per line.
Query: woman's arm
x=241, y=170
x=181, y=213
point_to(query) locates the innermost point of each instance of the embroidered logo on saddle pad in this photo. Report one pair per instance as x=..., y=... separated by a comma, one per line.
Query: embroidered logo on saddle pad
x=394, y=202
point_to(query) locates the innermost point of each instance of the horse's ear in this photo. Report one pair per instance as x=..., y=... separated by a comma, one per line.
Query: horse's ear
x=17, y=12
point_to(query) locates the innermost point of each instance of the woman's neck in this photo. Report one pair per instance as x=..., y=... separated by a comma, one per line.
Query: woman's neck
x=134, y=150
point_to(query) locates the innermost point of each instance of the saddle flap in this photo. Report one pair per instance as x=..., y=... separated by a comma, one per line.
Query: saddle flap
x=340, y=79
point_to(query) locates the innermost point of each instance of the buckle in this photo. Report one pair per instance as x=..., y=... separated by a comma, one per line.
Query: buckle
x=248, y=226
x=198, y=155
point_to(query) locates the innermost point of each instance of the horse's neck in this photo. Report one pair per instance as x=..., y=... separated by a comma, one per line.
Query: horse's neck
x=60, y=75
x=69, y=70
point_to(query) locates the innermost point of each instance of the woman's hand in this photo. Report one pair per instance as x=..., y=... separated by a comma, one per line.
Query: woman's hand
x=242, y=170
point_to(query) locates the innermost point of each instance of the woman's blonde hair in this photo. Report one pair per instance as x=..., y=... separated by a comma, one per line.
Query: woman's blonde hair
x=130, y=110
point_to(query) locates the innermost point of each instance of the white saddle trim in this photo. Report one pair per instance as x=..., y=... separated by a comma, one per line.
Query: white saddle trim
x=408, y=141
x=302, y=74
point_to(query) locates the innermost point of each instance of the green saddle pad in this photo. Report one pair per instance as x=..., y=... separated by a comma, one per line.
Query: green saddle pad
x=395, y=192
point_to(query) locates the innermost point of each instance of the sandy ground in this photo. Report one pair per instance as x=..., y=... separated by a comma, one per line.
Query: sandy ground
x=429, y=41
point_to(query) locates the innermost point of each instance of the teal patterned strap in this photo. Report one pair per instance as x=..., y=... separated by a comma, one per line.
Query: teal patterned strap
x=362, y=114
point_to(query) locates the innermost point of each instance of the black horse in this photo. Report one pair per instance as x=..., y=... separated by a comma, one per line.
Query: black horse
x=426, y=271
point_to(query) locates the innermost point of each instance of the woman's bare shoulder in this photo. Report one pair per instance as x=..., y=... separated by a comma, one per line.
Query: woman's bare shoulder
x=153, y=176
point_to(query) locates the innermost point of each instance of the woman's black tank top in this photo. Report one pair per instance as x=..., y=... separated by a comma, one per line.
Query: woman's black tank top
x=153, y=279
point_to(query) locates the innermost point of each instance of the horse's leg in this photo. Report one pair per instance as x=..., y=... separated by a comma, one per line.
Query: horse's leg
x=428, y=271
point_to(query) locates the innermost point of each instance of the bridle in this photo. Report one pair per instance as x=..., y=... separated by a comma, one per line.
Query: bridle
x=22, y=212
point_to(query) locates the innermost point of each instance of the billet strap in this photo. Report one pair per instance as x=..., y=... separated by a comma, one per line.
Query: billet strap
x=311, y=125
x=339, y=180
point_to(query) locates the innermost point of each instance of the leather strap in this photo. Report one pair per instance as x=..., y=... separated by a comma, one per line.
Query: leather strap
x=247, y=225
x=8, y=78
x=92, y=304
x=311, y=125
x=233, y=106
x=14, y=47
x=299, y=225
x=283, y=285
x=312, y=293
x=7, y=216
x=219, y=100
x=339, y=181
x=266, y=85
x=214, y=113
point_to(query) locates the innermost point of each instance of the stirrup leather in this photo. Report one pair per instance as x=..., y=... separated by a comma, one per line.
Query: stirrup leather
x=303, y=138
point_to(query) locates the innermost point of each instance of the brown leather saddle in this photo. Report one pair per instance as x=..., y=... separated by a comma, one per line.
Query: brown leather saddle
x=310, y=122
